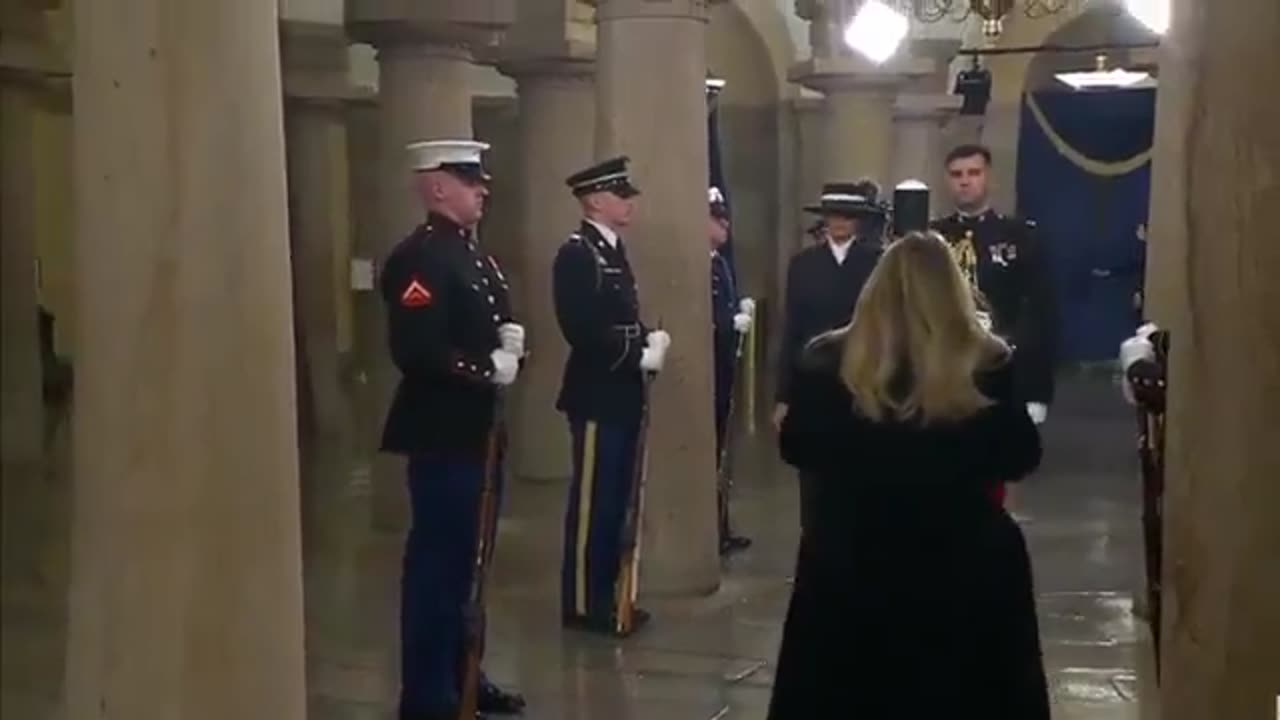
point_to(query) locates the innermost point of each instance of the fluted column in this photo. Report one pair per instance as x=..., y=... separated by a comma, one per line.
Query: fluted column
x=557, y=121
x=1213, y=263
x=186, y=596
x=651, y=104
x=859, y=108
x=920, y=141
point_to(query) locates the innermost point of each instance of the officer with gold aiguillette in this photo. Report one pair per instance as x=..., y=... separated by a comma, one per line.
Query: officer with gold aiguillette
x=604, y=396
x=1003, y=258
x=455, y=341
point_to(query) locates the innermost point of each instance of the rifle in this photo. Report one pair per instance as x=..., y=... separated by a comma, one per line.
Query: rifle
x=724, y=478
x=485, y=528
x=628, y=584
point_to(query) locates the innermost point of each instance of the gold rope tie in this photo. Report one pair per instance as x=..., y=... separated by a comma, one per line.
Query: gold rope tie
x=1079, y=159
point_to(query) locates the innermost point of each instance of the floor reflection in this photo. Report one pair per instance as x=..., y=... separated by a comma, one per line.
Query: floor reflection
x=702, y=659
x=711, y=658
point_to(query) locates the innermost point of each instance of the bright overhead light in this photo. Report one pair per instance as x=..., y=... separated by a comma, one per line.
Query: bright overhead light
x=1152, y=13
x=1103, y=78
x=876, y=31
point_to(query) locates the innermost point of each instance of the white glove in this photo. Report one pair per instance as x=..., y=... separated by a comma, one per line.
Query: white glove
x=984, y=319
x=505, y=366
x=1134, y=349
x=512, y=337
x=747, y=306
x=1039, y=412
x=742, y=322
x=655, y=352
x=658, y=340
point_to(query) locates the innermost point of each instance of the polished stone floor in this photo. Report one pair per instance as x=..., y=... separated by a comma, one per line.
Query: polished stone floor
x=712, y=658
x=703, y=659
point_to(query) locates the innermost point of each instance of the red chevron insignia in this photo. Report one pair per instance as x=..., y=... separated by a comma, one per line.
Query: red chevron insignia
x=416, y=295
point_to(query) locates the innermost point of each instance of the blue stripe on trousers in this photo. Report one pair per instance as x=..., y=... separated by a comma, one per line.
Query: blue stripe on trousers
x=593, y=541
x=439, y=561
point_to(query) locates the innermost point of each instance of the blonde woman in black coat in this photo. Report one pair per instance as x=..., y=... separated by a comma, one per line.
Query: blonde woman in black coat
x=913, y=596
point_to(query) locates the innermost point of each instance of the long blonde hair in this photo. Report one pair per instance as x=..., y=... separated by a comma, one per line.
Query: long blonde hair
x=915, y=343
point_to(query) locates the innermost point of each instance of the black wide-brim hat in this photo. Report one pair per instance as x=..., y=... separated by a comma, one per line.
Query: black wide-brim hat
x=860, y=199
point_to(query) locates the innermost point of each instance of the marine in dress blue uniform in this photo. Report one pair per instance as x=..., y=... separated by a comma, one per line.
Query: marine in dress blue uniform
x=453, y=337
x=731, y=319
x=603, y=396
x=1003, y=258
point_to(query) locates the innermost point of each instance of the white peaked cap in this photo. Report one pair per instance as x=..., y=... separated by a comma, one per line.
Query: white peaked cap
x=434, y=154
x=911, y=185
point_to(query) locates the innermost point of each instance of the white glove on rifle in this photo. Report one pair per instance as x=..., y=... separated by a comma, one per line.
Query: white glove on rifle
x=742, y=322
x=747, y=306
x=655, y=351
x=505, y=366
x=512, y=337
x=1039, y=412
x=1136, y=348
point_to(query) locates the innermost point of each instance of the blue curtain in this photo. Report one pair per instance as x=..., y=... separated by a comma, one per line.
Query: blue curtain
x=1084, y=175
x=717, y=179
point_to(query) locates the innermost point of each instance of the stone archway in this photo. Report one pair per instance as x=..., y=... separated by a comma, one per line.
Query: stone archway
x=1014, y=74
x=749, y=137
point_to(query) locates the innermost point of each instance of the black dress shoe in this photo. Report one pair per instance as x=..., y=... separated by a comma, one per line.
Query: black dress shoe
x=496, y=701
x=453, y=715
x=733, y=544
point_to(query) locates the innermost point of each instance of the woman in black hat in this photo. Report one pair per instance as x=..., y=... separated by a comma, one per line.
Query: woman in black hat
x=824, y=281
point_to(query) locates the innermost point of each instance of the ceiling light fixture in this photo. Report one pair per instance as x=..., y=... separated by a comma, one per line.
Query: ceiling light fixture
x=1101, y=77
x=876, y=31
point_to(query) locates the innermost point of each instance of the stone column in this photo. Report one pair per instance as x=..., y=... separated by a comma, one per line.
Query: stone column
x=21, y=406
x=32, y=588
x=920, y=143
x=424, y=62
x=652, y=55
x=186, y=592
x=316, y=94
x=557, y=123
x=1213, y=264
x=859, y=112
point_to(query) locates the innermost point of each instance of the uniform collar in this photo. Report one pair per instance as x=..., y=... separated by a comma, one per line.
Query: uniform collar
x=441, y=224
x=981, y=216
x=605, y=231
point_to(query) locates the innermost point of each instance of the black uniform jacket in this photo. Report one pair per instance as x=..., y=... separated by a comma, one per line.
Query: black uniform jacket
x=1013, y=276
x=598, y=309
x=724, y=307
x=821, y=294
x=445, y=300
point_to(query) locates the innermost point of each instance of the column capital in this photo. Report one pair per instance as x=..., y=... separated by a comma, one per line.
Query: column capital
x=926, y=106
x=475, y=23
x=837, y=74
x=568, y=68
x=634, y=9
x=315, y=62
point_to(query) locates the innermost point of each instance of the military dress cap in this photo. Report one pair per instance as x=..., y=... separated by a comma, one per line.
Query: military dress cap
x=458, y=157
x=716, y=204
x=609, y=176
x=858, y=199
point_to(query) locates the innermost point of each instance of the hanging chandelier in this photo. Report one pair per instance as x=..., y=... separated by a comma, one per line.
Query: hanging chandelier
x=992, y=13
